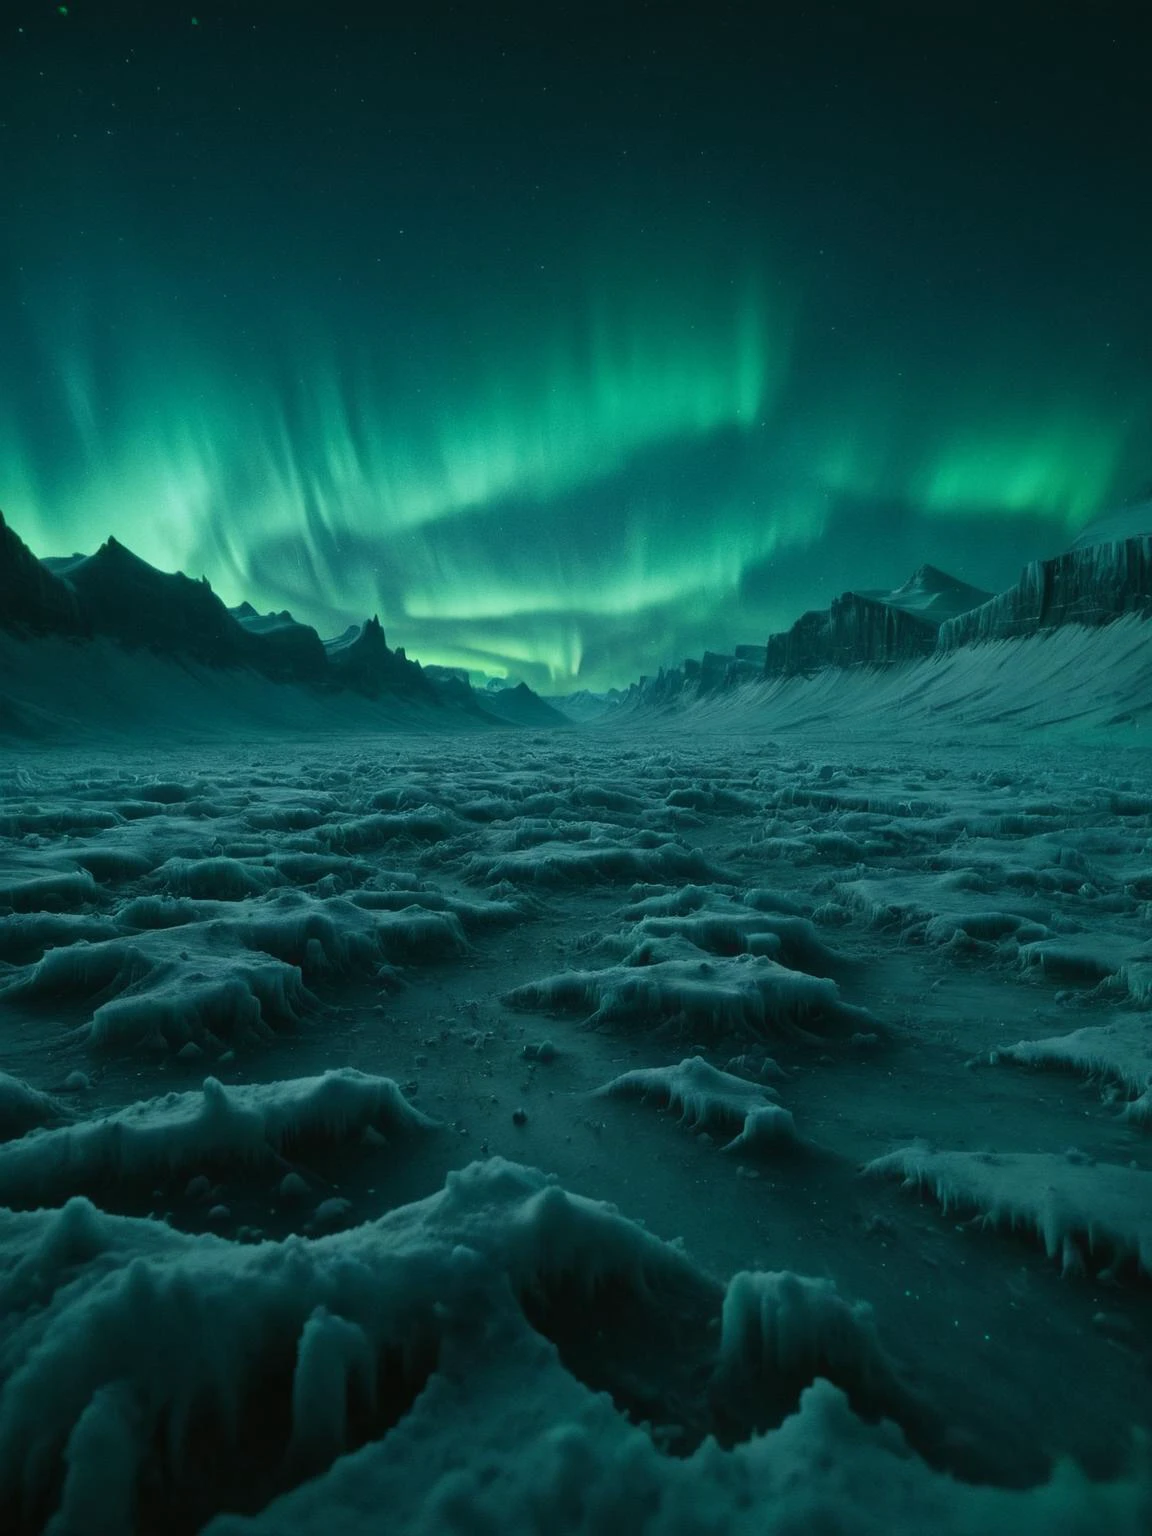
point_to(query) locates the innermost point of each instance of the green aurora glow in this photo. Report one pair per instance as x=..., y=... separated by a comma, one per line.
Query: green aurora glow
x=674, y=439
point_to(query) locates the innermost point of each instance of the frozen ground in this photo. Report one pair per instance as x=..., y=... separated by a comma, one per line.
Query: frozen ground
x=628, y=1132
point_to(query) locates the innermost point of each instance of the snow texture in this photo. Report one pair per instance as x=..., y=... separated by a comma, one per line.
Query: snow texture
x=1119, y=1053
x=1084, y=1213
x=780, y=1328
x=707, y=1098
x=143, y=1369
x=183, y=1132
x=842, y=894
x=747, y=995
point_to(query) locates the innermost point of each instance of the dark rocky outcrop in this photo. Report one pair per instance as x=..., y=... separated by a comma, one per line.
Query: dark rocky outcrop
x=520, y=706
x=129, y=600
x=115, y=595
x=1090, y=585
x=32, y=597
x=855, y=631
x=439, y=674
x=858, y=629
x=284, y=649
x=360, y=658
x=872, y=628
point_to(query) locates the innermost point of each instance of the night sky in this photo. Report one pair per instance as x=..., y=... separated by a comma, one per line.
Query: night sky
x=572, y=339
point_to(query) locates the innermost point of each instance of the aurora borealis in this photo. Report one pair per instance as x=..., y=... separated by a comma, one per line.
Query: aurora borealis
x=575, y=339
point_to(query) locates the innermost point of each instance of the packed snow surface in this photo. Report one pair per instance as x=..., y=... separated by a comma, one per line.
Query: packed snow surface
x=475, y=1133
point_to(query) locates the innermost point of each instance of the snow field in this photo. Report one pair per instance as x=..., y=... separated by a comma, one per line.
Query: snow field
x=321, y=1010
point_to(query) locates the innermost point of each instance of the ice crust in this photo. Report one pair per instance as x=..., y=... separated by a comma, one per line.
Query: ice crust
x=1084, y=1213
x=854, y=925
x=706, y=1098
x=185, y=1132
x=1118, y=1053
x=748, y=995
x=351, y=1376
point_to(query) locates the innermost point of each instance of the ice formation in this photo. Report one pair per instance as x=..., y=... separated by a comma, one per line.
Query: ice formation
x=145, y=1370
x=183, y=1132
x=847, y=923
x=766, y=1130
x=1118, y=1053
x=1081, y=1211
x=779, y=1330
x=706, y=1097
x=748, y=995
x=23, y=1108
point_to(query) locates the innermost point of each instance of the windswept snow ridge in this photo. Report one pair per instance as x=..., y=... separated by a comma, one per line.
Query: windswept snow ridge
x=1119, y=1054
x=1083, y=1212
x=706, y=1097
x=146, y=1370
x=186, y=1132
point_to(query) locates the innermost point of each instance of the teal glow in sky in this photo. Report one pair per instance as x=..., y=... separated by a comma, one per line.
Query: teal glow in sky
x=563, y=368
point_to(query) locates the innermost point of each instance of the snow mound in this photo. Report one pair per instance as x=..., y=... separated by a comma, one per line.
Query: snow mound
x=749, y=995
x=182, y=1132
x=426, y=825
x=732, y=929
x=987, y=927
x=576, y=1468
x=1080, y=1210
x=1080, y=962
x=780, y=1331
x=26, y=935
x=600, y=861
x=678, y=902
x=217, y=879
x=338, y=935
x=23, y=1108
x=948, y=909
x=1119, y=1053
x=472, y=915
x=393, y=1368
x=202, y=1002
x=167, y=988
x=766, y=1130
x=20, y=892
x=210, y=970
x=309, y=868
x=705, y=1096
x=143, y=1363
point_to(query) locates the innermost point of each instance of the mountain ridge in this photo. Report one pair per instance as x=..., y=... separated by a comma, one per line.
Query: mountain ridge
x=115, y=596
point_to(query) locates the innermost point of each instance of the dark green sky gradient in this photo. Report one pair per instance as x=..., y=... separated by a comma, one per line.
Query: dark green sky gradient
x=572, y=338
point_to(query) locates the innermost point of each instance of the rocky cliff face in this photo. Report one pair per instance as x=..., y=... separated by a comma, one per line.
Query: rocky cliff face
x=1091, y=585
x=33, y=598
x=872, y=628
x=284, y=649
x=361, y=659
x=124, y=597
x=115, y=594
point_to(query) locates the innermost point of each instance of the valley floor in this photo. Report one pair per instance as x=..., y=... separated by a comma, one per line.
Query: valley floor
x=855, y=1044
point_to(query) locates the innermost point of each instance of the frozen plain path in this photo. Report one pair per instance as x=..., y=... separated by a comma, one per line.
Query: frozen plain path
x=878, y=922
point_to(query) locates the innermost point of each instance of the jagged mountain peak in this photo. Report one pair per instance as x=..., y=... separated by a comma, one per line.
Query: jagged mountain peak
x=929, y=578
x=114, y=594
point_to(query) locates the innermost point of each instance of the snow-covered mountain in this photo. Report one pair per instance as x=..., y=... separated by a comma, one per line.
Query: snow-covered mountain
x=149, y=631
x=115, y=598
